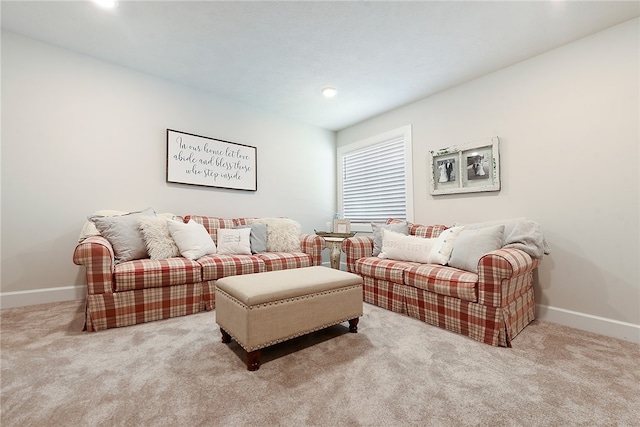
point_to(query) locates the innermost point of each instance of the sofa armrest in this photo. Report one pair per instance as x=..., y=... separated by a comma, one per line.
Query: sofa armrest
x=504, y=275
x=96, y=254
x=312, y=244
x=355, y=248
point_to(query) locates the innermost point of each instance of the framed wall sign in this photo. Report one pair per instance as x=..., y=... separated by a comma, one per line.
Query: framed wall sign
x=199, y=160
x=469, y=168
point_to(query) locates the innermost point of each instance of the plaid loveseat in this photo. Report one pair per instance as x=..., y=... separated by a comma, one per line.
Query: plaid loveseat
x=144, y=290
x=491, y=306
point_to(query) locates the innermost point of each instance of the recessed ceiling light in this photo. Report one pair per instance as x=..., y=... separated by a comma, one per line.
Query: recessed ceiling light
x=329, y=92
x=107, y=4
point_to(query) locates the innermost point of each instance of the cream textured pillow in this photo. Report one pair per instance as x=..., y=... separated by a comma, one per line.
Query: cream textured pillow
x=160, y=244
x=283, y=234
x=443, y=246
x=405, y=248
x=234, y=241
x=471, y=245
x=192, y=239
x=123, y=232
x=398, y=227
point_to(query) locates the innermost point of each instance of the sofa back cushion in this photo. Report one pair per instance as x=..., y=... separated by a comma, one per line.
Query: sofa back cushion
x=426, y=231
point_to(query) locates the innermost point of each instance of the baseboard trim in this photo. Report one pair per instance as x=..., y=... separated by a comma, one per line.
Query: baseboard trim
x=42, y=296
x=587, y=322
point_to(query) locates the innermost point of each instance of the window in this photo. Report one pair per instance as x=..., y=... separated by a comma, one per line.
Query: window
x=375, y=178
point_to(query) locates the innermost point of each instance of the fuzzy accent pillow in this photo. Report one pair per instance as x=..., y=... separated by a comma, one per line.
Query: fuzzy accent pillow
x=193, y=240
x=123, y=232
x=234, y=241
x=283, y=234
x=160, y=244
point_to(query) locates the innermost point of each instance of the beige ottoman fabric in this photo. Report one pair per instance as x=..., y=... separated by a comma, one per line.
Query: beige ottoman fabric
x=262, y=309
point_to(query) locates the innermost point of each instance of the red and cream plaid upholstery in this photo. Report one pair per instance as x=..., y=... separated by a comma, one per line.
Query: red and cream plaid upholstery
x=145, y=290
x=149, y=273
x=284, y=260
x=216, y=266
x=473, y=320
x=384, y=269
x=504, y=275
x=384, y=294
x=443, y=280
x=96, y=254
x=209, y=294
x=492, y=306
x=145, y=305
x=355, y=248
x=211, y=224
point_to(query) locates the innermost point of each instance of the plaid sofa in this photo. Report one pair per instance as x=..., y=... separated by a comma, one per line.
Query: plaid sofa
x=145, y=290
x=491, y=306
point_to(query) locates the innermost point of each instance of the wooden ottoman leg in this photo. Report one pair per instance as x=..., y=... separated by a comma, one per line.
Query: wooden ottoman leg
x=226, y=338
x=353, y=325
x=253, y=360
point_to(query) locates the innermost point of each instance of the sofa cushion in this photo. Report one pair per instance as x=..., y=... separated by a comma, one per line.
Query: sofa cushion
x=123, y=232
x=442, y=280
x=284, y=260
x=384, y=269
x=471, y=245
x=426, y=231
x=216, y=266
x=149, y=273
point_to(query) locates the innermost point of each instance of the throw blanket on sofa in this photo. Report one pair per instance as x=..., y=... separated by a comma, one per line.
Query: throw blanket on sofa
x=519, y=233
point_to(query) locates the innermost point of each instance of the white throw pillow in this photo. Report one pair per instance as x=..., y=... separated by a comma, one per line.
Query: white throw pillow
x=471, y=245
x=283, y=234
x=405, y=248
x=443, y=246
x=155, y=232
x=192, y=239
x=398, y=227
x=234, y=241
x=123, y=232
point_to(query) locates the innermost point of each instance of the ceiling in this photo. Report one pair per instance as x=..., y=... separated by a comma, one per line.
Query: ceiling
x=278, y=56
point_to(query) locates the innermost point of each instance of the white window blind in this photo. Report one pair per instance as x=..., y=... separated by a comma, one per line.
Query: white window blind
x=374, y=181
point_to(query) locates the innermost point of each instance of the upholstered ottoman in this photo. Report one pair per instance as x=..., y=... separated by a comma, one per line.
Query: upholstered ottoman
x=261, y=309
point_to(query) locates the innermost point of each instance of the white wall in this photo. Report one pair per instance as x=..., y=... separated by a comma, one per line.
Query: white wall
x=568, y=121
x=80, y=135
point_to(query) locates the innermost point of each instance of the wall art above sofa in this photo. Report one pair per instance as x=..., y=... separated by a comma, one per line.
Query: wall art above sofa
x=199, y=160
x=469, y=168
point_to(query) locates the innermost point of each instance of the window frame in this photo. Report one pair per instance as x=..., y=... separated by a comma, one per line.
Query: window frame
x=405, y=133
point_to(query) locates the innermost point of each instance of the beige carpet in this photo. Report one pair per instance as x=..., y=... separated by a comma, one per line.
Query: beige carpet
x=396, y=371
